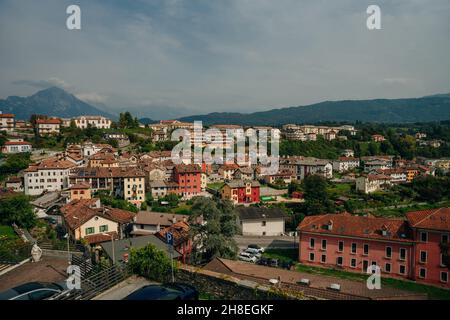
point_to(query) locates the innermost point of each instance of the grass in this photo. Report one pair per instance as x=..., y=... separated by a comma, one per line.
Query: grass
x=7, y=232
x=281, y=254
x=340, y=189
x=434, y=293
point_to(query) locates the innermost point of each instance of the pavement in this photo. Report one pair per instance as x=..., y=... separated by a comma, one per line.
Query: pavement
x=49, y=269
x=123, y=289
x=281, y=242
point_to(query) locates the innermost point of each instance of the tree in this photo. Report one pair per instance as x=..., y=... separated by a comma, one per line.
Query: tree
x=316, y=196
x=215, y=237
x=151, y=263
x=17, y=209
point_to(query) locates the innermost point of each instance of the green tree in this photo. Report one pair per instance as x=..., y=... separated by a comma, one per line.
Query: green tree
x=214, y=238
x=151, y=263
x=17, y=209
x=316, y=195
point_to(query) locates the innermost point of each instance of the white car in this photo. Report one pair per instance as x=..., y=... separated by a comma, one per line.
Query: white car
x=247, y=257
x=254, y=248
x=253, y=253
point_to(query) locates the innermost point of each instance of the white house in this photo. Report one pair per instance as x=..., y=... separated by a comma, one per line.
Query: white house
x=6, y=121
x=48, y=126
x=99, y=122
x=49, y=175
x=16, y=146
x=372, y=183
x=260, y=221
x=344, y=164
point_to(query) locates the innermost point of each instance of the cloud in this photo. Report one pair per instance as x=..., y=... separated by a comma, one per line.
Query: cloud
x=43, y=84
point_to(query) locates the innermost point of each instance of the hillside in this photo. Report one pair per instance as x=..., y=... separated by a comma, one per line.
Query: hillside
x=379, y=110
x=53, y=101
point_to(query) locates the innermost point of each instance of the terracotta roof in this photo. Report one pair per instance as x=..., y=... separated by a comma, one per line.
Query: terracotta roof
x=435, y=219
x=345, y=224
x=17, y=143
x=81, y=185
x=179, y=230
x=51, y=163
x=158, y=218
x=188, y=168
x=78, y=212
x=99, y=237
x=6, y=115
x=48, y=121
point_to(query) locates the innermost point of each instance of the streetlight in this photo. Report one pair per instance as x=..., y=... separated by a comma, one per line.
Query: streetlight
x=112, y=246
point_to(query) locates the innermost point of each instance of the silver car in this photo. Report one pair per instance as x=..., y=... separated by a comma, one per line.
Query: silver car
x=32, y=291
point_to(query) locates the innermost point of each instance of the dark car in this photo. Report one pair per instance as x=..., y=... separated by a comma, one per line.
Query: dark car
x=32, y=291
x=263, y=261
x=273, y=263
x=171, y=291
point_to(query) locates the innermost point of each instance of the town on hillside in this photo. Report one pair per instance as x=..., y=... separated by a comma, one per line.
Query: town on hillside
x=105, y=196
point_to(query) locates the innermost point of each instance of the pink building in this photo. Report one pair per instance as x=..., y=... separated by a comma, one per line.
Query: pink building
x=409, y=249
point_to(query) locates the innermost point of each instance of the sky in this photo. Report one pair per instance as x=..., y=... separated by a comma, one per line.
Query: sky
x=170, y=58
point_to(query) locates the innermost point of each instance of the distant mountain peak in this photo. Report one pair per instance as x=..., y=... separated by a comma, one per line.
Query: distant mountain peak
x=53, y=101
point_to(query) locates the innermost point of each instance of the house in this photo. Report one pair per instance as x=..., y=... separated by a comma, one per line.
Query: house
x=331, y=135
x=182, y=241
x=89, y=148
x=6, y=121
x=397, y=175
x=48, y=126
x=103, y=159
x=147, y=222
x=244, y=173
x=372, y=163
x=344, y=164
x=261, y=221
x=420, y=135
x=309, y=166
x=80, y=191
x=87, y=219
x=353, y=243
x=241, y=192
x=227, y=171
x=14, y=183
x=51, y=174
x=414, y=248
x=378, y=138
x=16, y=146
x=283, y=175
x=369, y=183
x=83, y=122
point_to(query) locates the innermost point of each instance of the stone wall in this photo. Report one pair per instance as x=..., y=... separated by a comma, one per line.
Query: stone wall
x=226, y=287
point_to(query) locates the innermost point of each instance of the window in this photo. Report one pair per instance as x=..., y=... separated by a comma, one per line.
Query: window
x=323, y=258
x=423, y=237
x=104, y=228
x=311, y=256
x=366, y=249
x=324, y=244
x=353, y=263
x=422, y=273
x=312, y=243
x=387, y=267
x=339, y=261
x=444, y=238
x=353, y=247
x=263, y=223
x=444, y=276
x=388, y=252
x=90, y=230
x=341, y=246
x=423, y=257
x=402, y=269
x=365, y=265
x=402, y=254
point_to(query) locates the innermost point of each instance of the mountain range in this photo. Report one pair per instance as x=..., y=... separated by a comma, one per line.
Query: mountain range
x=432, y=108
x=53, y=101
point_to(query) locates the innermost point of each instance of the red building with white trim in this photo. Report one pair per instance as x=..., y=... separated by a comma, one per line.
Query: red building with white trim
x=408, y=249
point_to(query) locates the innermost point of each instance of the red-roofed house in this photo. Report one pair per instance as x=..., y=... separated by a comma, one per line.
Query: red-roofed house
x=181, y=239
x=6, y=121
x=18, y=146
x=48, y=126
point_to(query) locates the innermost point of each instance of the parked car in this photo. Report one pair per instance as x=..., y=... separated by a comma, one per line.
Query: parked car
x=263, y=261
x=32, y=291
x=256, y=248
x=247, y=257
x=171, y=291
x=257, y=254
x=273, y=262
